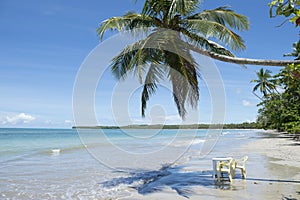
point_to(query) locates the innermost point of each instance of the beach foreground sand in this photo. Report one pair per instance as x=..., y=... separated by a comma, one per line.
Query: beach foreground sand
x=273, y=172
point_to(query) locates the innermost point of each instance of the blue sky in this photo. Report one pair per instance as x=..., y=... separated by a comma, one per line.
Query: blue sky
x=44, y=43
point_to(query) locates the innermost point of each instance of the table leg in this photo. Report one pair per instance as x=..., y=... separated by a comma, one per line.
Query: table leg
x=214, y=169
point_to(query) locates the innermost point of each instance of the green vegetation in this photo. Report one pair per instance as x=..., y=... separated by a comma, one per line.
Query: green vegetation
x=287, y=8
x=281, y=110
x=244, y=125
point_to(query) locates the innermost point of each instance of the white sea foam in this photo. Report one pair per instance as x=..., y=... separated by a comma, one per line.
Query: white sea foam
x=188, y=143
x=225, y=133
x=198, y=141
x=55, y=151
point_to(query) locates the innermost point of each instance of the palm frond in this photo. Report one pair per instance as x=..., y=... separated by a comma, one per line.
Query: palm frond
x=203, y=43
x=182, y=7
x=254, y=81
x=184, y=78
x=256, y=87
x=225, y=16
x=169, y=8
x=154, y=75
x=130, y=58
x=267, y=73
x=128, y=22
x=182, y=68
x=183, y=92
x=135, y=57
x=179, y=91
x=155, y=8
x=218, y=31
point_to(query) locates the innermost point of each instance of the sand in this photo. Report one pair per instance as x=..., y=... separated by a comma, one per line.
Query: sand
x=273, y=172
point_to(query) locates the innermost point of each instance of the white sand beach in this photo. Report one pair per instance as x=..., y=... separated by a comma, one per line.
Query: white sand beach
x=273, y=172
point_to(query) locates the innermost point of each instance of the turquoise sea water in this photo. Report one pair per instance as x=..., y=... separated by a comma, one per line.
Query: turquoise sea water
x=65, y=164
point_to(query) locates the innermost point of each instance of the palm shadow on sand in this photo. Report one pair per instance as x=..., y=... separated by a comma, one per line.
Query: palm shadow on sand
x=147, y=182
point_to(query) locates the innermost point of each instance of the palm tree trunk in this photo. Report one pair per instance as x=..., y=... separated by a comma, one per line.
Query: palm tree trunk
x=244, y=61
x=269, y=90
x=257, y=96
x=276, y=90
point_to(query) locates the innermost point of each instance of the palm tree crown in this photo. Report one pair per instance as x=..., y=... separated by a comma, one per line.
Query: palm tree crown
x=175, y=27
x=264, y=82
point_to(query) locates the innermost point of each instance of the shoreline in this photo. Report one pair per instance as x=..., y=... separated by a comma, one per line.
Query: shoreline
x=244, y=125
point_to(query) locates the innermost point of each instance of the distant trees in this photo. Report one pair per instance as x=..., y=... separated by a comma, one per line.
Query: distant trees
x=281, y=111
x=244, y=125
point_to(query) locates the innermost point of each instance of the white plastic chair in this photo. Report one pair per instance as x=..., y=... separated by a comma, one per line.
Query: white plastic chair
x=226, y=167
x=240, y=164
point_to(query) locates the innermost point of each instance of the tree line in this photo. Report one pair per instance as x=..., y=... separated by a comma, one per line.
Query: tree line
x=280, y=101
x=245, y=125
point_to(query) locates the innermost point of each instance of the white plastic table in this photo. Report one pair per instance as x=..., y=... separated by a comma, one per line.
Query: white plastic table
x=215, y=162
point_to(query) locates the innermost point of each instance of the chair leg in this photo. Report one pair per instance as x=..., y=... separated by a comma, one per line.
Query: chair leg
x=230, y=177
x=219, y=176
x=243, y=173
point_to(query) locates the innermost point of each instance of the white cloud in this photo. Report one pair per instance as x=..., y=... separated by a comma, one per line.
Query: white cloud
x=68, y=121
x=246, y=103
x=21, y=118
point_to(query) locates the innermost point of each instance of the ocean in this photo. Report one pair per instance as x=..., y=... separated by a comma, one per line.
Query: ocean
x=105, y=164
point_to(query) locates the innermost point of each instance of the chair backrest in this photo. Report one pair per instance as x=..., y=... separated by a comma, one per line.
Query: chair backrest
x=241, y=162
x=228, y=164
x=245, y=158
x=233, y=164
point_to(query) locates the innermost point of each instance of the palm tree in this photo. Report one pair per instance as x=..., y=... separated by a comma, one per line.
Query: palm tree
x=296, y=51
x=176, y=29
x=264, y=82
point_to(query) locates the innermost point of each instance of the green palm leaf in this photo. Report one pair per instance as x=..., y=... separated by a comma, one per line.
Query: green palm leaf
x=218, y=31
x=256, y=87
x=154, y=75
x=224, y=16
x=201, y=42
x=183, y=7
x=128, y=22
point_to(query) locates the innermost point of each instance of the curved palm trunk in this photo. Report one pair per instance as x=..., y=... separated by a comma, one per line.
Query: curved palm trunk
x=257, y=96
x=276, y=91
x=270, y=91
x=244, y=61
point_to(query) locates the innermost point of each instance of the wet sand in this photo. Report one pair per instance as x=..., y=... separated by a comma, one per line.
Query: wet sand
x=273, y=172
